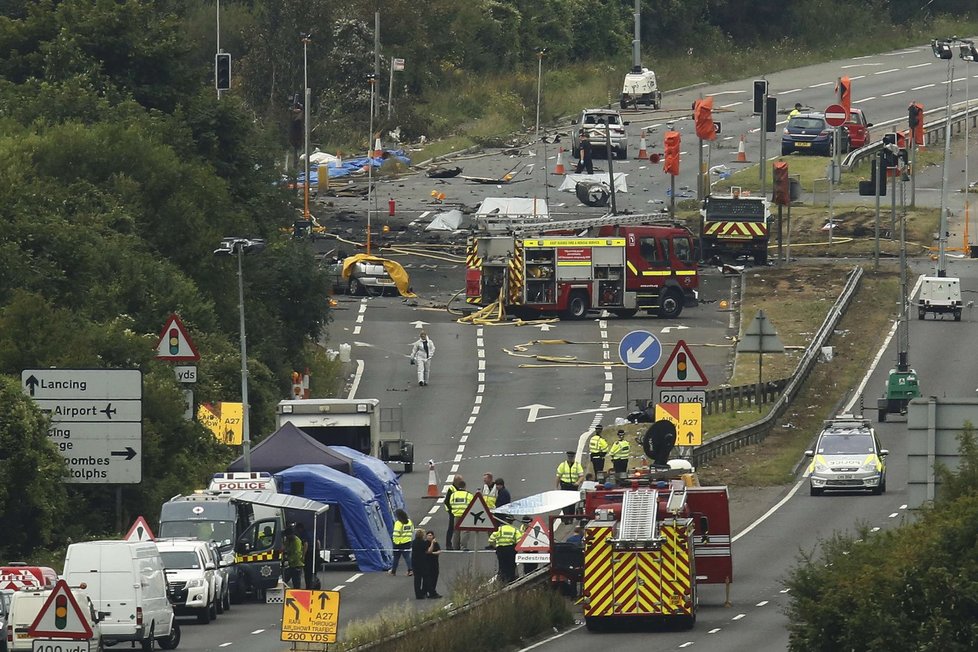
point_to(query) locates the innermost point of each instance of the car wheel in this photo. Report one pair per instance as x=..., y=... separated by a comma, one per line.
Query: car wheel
x=814, y=492
x=623, y=152
x=204, y=615
x=878, y=490
x=173, y=640
x=355, y=287
x=920, y=313
x=881, y=415
x=957, y=315
x=577, y=306
x=883, y=484
x=149, y=643
x=227, y=599
x=623, y=104
x=785, y=150
x=670, y=304
x=408, y=467
x=215, y=608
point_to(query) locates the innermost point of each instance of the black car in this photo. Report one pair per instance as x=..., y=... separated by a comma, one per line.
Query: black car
x=808, y=132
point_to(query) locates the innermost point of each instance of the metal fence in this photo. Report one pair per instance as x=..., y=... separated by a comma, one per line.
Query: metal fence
x=732, y=398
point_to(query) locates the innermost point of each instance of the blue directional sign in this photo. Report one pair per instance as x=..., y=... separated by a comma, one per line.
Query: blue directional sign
x=640, y=350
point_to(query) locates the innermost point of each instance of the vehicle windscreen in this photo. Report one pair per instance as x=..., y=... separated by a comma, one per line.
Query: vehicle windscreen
x=221, y=532
x=856, y=444
x=183, y=559
x=806, y=123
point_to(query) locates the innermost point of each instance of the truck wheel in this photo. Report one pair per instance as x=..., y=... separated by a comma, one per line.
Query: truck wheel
x=670, y=305
x=623, y=152
x=625, y=313
x=760, y=258
x=623, y=104
x=920, y=313
x=204, y=615
x=957, y=315
x=577, y=306
x=881, y=416
x=149, y=643
x=595, y=623
x=408, y=467
x=173, y=640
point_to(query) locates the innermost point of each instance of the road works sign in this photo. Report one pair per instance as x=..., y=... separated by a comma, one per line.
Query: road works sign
x=477, y=517
x=140, y=531
x=688, y=419
x=175, y=343
x=61, y=617
x=681, y=369
x=310, y=616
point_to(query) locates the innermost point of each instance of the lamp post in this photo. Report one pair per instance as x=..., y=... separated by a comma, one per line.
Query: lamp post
x=218, y=23
x=968, y=52
x=307, y=95
x=370, y=158
x=942, y=50
x=546, y=188
x=236, y=246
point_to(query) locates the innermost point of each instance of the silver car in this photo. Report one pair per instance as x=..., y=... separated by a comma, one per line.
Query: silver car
x=599, y=125
x=848, y=457
x=366, y=277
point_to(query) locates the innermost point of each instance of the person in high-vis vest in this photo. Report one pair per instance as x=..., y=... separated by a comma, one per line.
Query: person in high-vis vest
x=448, y=508
x=401, y=536
x=457, y=503
x=504, y=540
x=620, y=451
x=570, y=474
x=598, y=448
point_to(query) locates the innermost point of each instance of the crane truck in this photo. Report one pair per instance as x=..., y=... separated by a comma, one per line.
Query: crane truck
x=618, y=263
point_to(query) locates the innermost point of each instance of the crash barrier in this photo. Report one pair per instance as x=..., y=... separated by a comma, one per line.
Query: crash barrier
x=757, y=431
x=400, y=641
x=933, y=131
x=731, y=398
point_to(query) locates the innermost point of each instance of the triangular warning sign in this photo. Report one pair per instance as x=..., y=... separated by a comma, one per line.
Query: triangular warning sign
x=61, y=617
x=175, y=343
x=536, y=538
x=477, y=517
x=139, y=531
x=681, y=369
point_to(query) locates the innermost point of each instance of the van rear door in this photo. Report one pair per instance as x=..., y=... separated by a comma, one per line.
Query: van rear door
x=119, y=587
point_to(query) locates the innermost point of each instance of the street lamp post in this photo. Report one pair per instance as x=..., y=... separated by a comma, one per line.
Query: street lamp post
x=968, y=52
x=307, y=96
x=370, y=159
x=234, y=246
x=942, y=50
x=546, y=187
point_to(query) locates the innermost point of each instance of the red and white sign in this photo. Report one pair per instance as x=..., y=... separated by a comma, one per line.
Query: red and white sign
x=536, y=538
x=61, y=617
x=140, y=531
x=14, y=578
x=681, y=369
x=836, y=115
x=574, y=254
x=175, y=343
x=477, y=517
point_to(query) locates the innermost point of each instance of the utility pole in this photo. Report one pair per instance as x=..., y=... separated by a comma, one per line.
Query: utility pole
x=376, y=59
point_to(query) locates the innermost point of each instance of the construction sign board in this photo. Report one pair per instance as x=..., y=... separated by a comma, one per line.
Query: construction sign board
x=536, y=538
x=681, y=369
x=175, y=343
x=310, y=616
x=225, y=420
x=140, y=531
x=61, y=617
x=477, y=517
x=688, y=419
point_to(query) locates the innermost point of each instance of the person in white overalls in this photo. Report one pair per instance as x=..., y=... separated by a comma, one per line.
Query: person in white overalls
x=422, y=351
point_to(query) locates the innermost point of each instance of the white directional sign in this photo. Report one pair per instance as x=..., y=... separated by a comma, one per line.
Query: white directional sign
x=96, y=420
x=640, y=350
x=682, y=396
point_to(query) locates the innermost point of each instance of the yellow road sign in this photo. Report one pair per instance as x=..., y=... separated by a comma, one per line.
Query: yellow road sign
x=310, y=616
x=688, y=419
x=225, y=421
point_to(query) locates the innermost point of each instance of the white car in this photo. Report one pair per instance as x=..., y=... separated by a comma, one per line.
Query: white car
x=191, y=584
x=24, y=607
x=599, y=125
x=222, y=578
x=847, y=457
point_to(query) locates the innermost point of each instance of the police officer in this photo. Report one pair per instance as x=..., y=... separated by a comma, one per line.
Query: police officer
x=504, y=540
x=457, y=503
x=620, y=452
x=795, y=111
x=598, y=448
x=570, y=474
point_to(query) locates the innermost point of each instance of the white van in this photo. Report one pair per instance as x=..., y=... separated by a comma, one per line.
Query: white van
x=127, y=584
x=26, y=604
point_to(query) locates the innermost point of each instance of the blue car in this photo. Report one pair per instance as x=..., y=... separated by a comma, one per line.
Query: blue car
x=808, y=132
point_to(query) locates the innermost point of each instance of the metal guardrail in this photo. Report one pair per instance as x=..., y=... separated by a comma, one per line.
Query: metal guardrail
x=755, y=432
x=933, y=132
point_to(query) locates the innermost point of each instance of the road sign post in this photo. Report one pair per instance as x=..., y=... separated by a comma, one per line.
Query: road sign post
x=760, y=338
x=310, y=616
x=640, y=351
x=96, y=420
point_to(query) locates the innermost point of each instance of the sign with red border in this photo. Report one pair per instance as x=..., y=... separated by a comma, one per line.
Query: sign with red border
x=175, y=343
x=681, y=369
x=61, y=617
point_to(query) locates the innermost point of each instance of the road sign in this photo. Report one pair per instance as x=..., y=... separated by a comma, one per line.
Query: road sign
x=760, y=337
x=716, y=127
x=536, y=538
x=225, y=421
x=835, y=115
x=140, y=531
x=640, y=350
x=175, y=343
x=96, y=420
x=688, y=419
x=52, y=645
x=681, y=369
x=477, y=517
x=310, y=616
x=82, y=383
x=188, y=405
x=186, y=373
x=682, y=396
x=61, y=616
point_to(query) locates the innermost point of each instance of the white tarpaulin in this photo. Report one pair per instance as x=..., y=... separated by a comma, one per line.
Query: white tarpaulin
x=571, y=180
x=319, y=158
x=513, y=207
x=447, y=221
x=548, y=501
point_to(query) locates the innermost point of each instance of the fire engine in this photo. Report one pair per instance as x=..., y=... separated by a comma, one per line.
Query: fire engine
x=735, y=225
x=617, y=263
x=648, y=543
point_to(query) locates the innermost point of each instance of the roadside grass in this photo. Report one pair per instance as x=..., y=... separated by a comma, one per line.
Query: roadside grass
x=500, y=620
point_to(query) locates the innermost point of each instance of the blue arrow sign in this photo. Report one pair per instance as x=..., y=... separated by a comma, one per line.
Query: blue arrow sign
x=640, y=350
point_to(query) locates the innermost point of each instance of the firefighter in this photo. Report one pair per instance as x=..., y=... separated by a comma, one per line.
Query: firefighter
x=599, y=450
x=504, y=540
x=620, y=452
x=458, y=501
x=570, y=474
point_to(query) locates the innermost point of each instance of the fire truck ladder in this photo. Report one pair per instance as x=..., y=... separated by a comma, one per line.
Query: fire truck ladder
x=638, y=512
x=514, y=226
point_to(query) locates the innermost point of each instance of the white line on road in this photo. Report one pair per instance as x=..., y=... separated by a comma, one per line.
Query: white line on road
x=739, y=616
x=892, y=94
x=339, y=587
x=865, y=99
x=762, y=603
x=884, y=72
x=225, y=644
x=789, y=92
x=727, y=106
x=856, y=77
x=356, y=380
x=919, y=65
x=919, y=88
x=552, y=638
x=828, y=83
x=258, y=631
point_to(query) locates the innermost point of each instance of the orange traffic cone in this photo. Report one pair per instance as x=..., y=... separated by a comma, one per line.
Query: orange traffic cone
x=642, y=153
x=432, y=481
x=378, y=152
x=560, y=162
x=741, y=152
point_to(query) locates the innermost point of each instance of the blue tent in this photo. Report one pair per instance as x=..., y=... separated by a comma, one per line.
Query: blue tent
x=379, y=477
x=368, y=537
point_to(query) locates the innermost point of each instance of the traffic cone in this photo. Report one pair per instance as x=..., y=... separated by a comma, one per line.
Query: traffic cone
x=560, y=162
x=642, y=153
x=432, y=481
x=741, y=152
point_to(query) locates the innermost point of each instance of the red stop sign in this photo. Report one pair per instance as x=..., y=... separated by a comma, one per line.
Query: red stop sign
x=835, y=115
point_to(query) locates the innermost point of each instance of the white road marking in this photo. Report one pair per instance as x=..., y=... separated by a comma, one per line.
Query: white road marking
x=762, y=603
x=225, y=644
x=789, y=92
x=739, y=616
x=339, y=587
x=463, y=439
x=478, y=399
x=857, y=77
x=894, y=515
x=865, y=99
x=727, y=106
x=920, y=65
x=480, y=389
x=714, y=630
x=885, y=72
x=258, y=631
x=356, y=380
x=552, y=638
x=919, y=88
x=828, y=83
x=353, y=578
x=467, y=430
x=892, y=94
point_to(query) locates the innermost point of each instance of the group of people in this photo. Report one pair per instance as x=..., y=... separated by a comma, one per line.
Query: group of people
x=619, y=452
x=420, y=556
x=457, y=499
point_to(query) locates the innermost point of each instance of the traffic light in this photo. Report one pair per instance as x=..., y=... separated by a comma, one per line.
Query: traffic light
x=174, y=341
x=782, y=188
x=844, y=89
x=222, y=71
x=760, y=92
x=771, y=116
x=703, y=116
x=671, y=141
x=61, y=611
x=890, y=141
x=916, y=111
x=681, y=366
